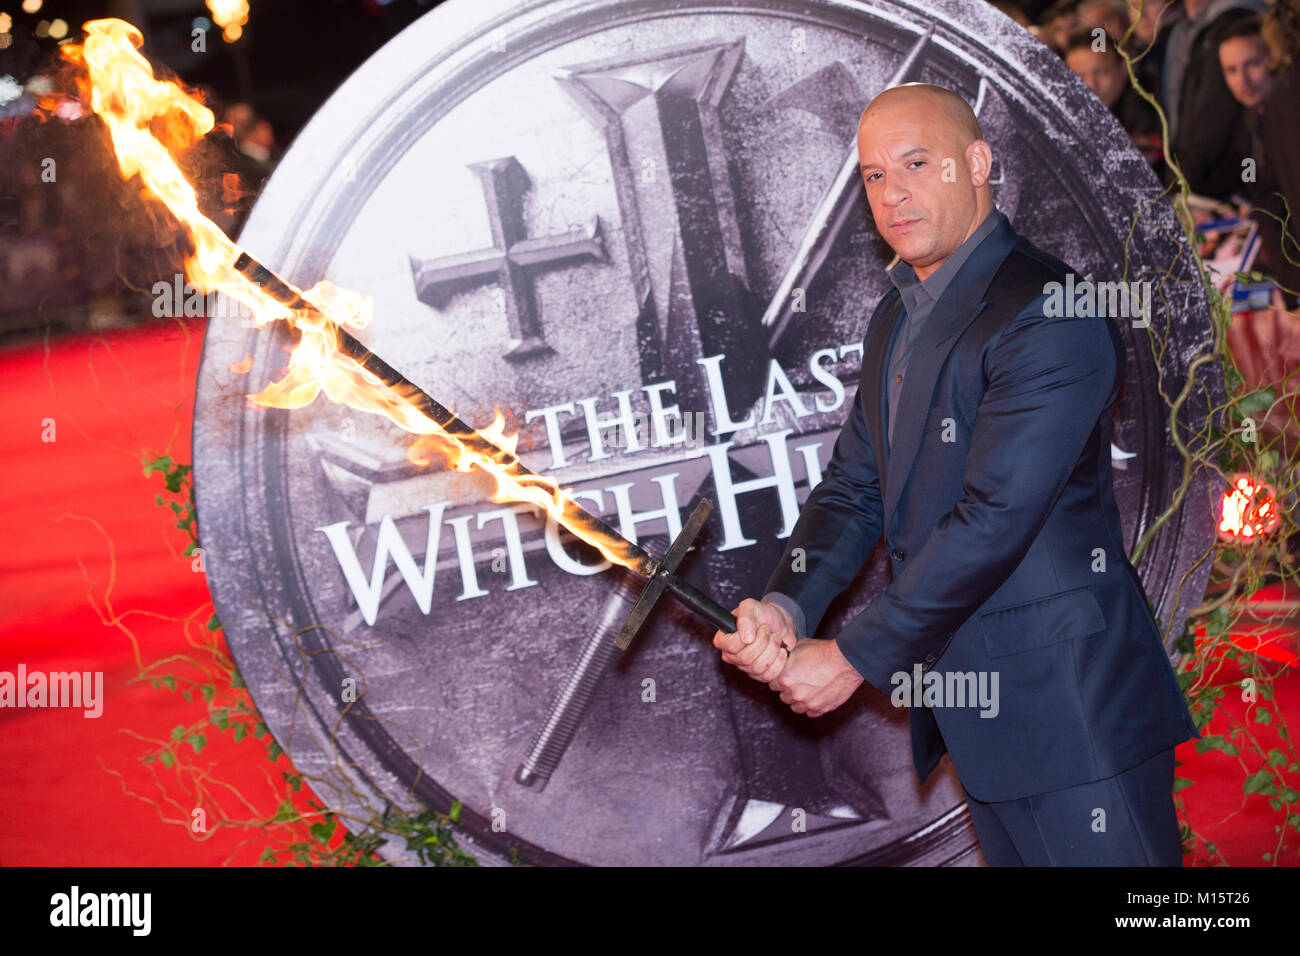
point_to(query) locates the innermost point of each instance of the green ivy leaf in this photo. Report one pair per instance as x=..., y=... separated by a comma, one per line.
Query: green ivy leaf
x=1215, y=742
x=1261, y=782
x=1256, y=401
x=1217, y=621
x=324, y=829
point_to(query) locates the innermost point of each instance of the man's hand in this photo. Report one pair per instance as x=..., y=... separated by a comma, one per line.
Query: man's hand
x=816, y=679
x=761, y=642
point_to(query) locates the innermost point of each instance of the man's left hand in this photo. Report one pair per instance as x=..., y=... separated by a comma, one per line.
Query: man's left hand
x=816, y=678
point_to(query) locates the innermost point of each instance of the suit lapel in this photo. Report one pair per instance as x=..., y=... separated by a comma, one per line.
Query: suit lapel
x=871, y=383
x=956, y=309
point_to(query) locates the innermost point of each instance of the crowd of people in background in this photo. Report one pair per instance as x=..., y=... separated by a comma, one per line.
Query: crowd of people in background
x=78, y=246
x=1226, y=76
x=1224, y=73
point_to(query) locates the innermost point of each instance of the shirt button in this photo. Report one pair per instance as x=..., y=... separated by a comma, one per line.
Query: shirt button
x=898, y=554
x=898, y=378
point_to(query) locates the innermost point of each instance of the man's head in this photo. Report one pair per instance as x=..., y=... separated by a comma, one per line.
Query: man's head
x=1060, y=20
x=1244, y=57
x=926, y=169
x=1108, y=15
x=1098, y=63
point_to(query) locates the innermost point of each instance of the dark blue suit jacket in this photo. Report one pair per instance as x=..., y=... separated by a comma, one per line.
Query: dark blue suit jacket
x=996, y=536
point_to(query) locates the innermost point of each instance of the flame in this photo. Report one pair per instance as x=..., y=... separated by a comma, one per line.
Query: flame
x=149, y=120
x=1249, y=509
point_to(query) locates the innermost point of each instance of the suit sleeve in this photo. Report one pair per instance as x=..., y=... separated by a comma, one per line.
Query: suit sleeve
x=837, y=529
x=1050, y=380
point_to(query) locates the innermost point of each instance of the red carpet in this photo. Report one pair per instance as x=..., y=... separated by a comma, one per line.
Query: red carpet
x=85, y=541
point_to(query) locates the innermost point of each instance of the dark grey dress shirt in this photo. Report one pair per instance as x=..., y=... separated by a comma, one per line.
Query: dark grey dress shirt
x=919, y=297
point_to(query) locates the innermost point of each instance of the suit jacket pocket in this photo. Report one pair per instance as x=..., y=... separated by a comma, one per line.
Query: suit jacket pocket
x=1050, y=620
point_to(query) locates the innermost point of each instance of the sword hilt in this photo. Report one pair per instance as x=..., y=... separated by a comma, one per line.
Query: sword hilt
x=570, y=704
x=618, y=626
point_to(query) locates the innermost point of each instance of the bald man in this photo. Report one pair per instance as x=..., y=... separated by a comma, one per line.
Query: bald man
x=1014, y=627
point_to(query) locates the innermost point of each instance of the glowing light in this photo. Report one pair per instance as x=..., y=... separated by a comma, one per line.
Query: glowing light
x=59, y=29
x=32, y=6
x=230, y=15
x=1249, y=510
x=6, y=22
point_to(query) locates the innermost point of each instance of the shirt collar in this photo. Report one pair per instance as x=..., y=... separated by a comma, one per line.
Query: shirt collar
x=927, y=291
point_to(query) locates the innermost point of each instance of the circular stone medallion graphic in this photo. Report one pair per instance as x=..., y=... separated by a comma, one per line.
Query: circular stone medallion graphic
x=582, y=212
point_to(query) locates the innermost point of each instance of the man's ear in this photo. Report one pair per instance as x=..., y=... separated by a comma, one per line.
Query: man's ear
x=979, y=160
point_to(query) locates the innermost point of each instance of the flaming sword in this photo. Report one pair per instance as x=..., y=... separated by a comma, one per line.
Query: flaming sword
x=121, y=88
x=569, y=706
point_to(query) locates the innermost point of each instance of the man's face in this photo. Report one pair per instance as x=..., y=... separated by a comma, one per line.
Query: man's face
x=1245, y=69
x=1103, y=72
x=1104, y=16
x=918, y=182
x=1061, y=28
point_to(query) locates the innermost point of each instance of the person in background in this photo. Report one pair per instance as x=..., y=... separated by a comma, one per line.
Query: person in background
x=1203, y=116
x=1097, y=62
x=1108, y=15
x=1244, y=58
x=1152, y=20
x=1059, y=22
x=1281, y=134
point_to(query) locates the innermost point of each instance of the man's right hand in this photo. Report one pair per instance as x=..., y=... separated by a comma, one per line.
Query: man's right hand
x=761, y=642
